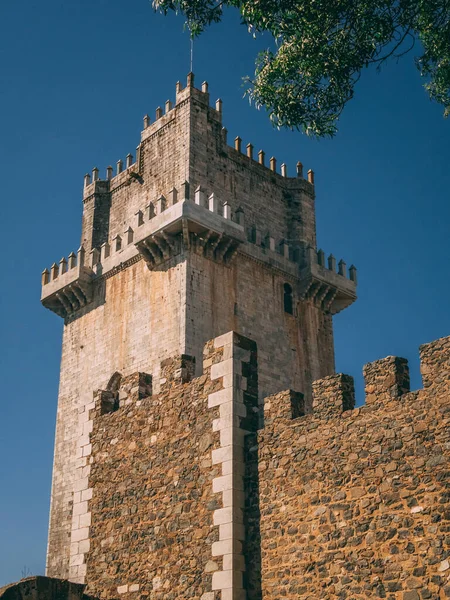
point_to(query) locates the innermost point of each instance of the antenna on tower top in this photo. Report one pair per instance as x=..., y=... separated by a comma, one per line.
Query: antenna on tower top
x=191, y=70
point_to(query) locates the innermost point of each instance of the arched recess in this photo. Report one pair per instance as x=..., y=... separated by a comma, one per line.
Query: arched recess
x=114, y=383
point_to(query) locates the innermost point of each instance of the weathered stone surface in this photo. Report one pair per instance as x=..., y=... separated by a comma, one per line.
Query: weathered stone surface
x=355, y=504
x=151, y=475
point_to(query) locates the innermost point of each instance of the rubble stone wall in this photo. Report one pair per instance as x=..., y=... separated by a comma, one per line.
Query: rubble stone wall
x=152, y=475
x=167, y=479
x=354, y=504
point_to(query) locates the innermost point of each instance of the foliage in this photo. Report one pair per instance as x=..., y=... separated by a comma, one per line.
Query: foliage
x=321, y=47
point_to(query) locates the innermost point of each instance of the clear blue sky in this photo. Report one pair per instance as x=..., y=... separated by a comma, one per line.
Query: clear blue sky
x=76, y=79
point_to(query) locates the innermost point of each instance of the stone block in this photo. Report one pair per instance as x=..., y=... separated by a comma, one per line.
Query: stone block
x=386, y=379
x=333, y=395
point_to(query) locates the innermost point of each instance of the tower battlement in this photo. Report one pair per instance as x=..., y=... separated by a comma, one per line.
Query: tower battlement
x=165, y=118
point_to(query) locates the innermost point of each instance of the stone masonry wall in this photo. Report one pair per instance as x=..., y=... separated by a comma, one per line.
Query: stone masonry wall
x=248, y=297
x=354, y=503
x=140, y=324
x=187, y=143
x=166, y=502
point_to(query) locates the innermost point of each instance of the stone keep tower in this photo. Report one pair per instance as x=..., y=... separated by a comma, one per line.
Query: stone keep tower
x=193, y=239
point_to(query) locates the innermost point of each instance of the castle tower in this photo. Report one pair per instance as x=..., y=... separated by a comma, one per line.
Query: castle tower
x=192, y=239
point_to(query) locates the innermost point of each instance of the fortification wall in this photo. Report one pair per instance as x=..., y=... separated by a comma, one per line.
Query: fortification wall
x=151, y=476
x=165, y=509
x=140, y=324
x=184, y=497
x=354, y=504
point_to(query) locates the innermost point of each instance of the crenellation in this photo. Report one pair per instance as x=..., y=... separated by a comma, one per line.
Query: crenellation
x=105, y=251
x=200, y=196
x=62, y=266
x=321, y=257
x=342, y=268
x=94, y=257
x=333, y=395
x=435, y=364
x=54, y=271
x=129, y=235
x=332, y=263
x=172, y=197
x=286, y=405
x=386, y=379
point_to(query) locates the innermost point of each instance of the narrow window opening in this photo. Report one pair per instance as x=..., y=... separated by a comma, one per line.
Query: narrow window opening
x=288, y=301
